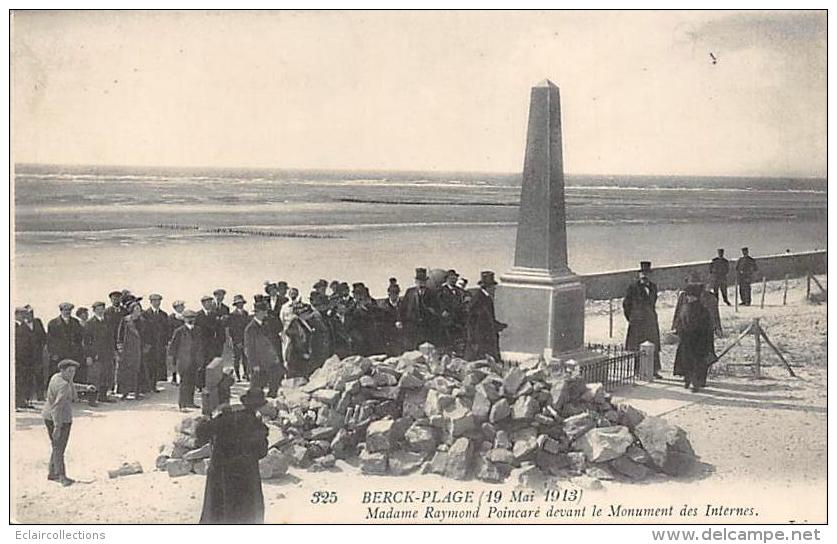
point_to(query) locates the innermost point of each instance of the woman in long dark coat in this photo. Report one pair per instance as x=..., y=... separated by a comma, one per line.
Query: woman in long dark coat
x=129, y=345
x=696, y=350
x=233, y=492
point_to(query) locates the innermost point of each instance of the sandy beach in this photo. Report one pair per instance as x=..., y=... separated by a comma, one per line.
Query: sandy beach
x=758, y=440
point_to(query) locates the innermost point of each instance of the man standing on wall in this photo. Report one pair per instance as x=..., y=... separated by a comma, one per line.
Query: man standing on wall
x=718, y=272
x=746, y=269
x=640, y=310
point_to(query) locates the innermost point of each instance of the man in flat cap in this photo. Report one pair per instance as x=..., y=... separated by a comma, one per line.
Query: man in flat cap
x=746, y=269
x=99, y=352
x=58, y=417
x=263, y=349
x=483, y=330
x=421, y=312
x=639, y=306
x=186, y=354
x=156, y=336
x=718, y=272
x=65, y=337
x=237, y=322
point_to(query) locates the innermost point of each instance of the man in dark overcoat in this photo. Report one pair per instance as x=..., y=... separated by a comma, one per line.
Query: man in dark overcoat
x=65, y=340
x=746, y=269
x=452, y=301
x=389, y=320
x=421, y=312
x=640, y=310
x=157, y=337
x=186, y=352
x=40, y=355
x=25, y=366
x=208, y=326
x=236, y=323
x=263, y=349
x=696, y=350
x=100, y=351
x=233, y=492
x=718, y=272
x=483, y=330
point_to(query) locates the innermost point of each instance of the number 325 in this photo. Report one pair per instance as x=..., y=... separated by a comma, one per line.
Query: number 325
x=324, y=497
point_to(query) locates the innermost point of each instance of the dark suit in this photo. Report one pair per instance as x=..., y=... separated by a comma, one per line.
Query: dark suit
x=186, y=353
x=452, y=301
x=65, y=340
x=264, y=352
x=639, y=308
x=483, y=329
x=718, y=272
x=25, y=365
x=99, y=347
x=421, y=313
x=157, y=337
x=391, y=336
x=746, y=269
x=40, y=357
x=208, y=327
x=236, y=323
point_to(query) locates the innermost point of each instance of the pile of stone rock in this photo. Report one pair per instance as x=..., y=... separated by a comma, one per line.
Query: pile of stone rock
x=481, y=419
x=184, y=454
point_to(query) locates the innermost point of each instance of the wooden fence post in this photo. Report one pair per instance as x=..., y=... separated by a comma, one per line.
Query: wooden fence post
x=763, y=289
x=785, y=295
x=757, y=335
x=808, y=288
x=735, y=288
x=610, y=317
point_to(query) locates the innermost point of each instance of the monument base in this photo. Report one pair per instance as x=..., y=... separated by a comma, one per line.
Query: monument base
x=544, y=312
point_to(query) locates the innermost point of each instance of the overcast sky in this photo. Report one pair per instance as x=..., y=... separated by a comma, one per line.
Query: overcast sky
x=417, y=91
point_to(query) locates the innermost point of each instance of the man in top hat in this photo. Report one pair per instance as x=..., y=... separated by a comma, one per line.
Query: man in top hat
x=639, y=306
x=186, y=354
x=237, y=322
x=718, y=272
x=156, y=336
x=100, y=352
x=263, y=349
x=483, y=330
x=58, y=417
x=233, y=492
x=65, y=337
x=452, y=302
x=390, y=322
x=421, y=312
x=39, y=353
x=25, y=363
x=746, y=269
x=175, y=321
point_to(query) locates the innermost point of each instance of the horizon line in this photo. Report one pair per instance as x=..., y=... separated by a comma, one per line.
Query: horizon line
x=406, y=170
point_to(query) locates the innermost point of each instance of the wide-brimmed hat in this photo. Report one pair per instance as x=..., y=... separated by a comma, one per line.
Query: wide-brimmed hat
x=268, y=285
x=239, y=299
x=253, y=398
x=206, y=298
x=64, y=363
x=487, y=279
x=115, y=294
x=421, y=274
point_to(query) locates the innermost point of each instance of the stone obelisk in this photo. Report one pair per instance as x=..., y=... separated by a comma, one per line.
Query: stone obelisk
x=540, y=298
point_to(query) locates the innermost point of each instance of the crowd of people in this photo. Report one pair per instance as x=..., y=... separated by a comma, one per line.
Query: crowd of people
x=124, y=350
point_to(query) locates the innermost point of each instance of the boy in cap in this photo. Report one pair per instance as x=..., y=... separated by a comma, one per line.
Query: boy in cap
x=639, y=307
x=237, y=322
x=58, y=417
